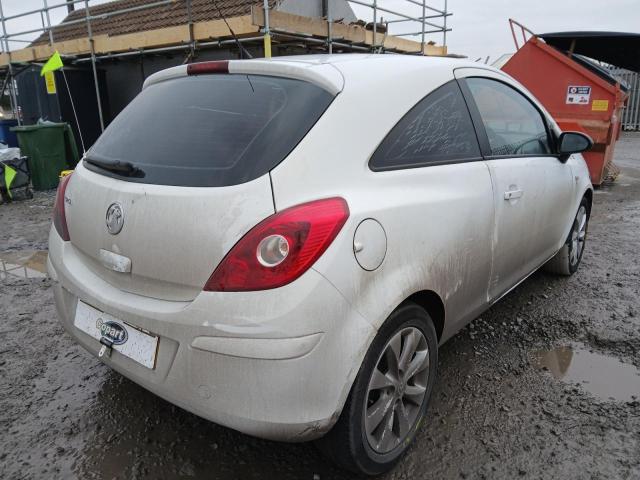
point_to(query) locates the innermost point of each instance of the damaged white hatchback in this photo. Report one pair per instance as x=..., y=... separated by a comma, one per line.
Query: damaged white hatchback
x=280, y=246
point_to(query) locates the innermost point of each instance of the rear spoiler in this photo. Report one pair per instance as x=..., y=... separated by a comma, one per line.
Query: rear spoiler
x=324, y=75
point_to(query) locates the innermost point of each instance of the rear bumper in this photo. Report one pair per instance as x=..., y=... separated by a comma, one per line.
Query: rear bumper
x=276, y=364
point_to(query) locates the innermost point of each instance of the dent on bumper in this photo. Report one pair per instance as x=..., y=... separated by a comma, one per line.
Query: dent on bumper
x=277, y=364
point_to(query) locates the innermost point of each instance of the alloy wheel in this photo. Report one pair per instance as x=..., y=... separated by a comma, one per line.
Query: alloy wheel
x=396, y=390
x=578, y=235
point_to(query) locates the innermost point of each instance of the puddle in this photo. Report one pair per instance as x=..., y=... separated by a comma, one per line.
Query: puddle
x=603, y=376
x=24, y=264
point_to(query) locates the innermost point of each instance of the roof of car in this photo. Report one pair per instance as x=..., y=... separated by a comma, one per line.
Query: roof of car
x=366, y=62
x=359, y=57
x=330, y=71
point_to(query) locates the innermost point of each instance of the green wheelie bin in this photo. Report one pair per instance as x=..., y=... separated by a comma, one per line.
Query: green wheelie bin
x=51, y=148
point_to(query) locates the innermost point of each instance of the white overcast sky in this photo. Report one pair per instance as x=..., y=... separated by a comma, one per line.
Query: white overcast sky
x=480, y=27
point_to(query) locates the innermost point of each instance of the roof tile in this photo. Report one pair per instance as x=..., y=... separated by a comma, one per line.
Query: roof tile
x=169, y=15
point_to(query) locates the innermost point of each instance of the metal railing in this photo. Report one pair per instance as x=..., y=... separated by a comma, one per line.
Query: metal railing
x=630, y=116
x=421, y=24
x=418, y=24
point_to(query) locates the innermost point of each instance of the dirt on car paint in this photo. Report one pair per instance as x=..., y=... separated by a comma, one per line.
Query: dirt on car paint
x=495, y=413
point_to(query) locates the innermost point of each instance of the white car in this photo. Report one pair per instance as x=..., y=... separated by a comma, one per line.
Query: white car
x=281, y=245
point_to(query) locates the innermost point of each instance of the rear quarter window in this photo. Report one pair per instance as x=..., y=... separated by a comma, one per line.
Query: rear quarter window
x=210, y=130
x=437, y=130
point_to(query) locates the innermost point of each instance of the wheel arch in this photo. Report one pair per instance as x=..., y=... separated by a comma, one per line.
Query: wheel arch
x=588, y=194
x=433, y=304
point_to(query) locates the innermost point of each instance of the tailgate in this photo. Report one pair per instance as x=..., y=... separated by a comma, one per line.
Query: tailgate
x=173, y=236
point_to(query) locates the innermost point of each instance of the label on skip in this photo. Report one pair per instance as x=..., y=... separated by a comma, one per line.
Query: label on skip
x=578, y=95
x=600, y=105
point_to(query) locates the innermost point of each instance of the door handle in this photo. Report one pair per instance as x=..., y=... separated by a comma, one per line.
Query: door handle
x=512, y=194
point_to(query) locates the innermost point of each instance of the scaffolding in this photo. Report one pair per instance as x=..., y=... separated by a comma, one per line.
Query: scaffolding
x=330, y=35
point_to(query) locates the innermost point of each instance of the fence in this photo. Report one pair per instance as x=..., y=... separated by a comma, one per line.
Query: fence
x=631, y=111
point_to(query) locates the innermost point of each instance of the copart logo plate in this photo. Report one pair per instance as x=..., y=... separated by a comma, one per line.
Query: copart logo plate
x=112, y=331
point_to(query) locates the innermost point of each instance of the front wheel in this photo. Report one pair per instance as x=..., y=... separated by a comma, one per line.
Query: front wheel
x=389, y=397
x=568, y=259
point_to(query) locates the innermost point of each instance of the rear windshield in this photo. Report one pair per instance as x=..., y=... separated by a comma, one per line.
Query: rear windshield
x=208, y=130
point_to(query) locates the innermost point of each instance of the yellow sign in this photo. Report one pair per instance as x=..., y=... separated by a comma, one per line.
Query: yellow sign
x=50, y=80
x=600, y=105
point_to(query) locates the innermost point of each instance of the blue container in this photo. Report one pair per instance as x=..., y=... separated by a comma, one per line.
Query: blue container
x=6, y=135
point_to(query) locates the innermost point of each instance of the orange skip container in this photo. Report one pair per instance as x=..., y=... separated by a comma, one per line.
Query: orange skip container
x=577, y=97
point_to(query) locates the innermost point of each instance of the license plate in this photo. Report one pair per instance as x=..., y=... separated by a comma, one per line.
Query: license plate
x=126, y=339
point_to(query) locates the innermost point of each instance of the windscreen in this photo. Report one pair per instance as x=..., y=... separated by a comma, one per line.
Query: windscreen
x=208, y=130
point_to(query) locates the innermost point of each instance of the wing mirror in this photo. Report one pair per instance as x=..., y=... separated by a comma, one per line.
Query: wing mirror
x=573, y=142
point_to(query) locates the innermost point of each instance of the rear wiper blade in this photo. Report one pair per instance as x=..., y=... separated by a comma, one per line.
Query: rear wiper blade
x=117, y=166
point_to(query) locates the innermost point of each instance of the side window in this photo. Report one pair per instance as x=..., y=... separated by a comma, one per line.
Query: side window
x=437, y=129
x=514, y=126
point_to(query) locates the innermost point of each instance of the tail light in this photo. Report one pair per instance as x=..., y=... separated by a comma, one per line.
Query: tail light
x=280, y=248
x=59, y=217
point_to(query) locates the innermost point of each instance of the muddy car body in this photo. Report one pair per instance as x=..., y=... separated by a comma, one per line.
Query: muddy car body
x=310, y=219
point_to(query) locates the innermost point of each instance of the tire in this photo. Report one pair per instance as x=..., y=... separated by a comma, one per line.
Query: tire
x=567, y=260
x=359, y=444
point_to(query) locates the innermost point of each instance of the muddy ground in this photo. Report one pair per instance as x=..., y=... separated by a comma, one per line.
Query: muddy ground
x=499, y=410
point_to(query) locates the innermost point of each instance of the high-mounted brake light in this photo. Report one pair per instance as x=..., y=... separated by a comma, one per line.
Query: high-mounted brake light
x=280, y=248
x=59, y=216
x=216, y=66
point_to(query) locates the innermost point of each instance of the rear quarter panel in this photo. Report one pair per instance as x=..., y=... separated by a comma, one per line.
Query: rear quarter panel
x=438, y=220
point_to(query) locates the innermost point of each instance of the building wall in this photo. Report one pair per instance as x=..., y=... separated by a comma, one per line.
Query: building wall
x=36, y=103
x=313, y=8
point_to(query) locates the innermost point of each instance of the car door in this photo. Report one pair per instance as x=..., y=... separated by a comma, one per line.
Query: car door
x=532, y=188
